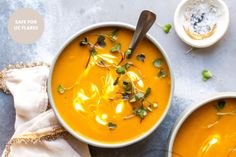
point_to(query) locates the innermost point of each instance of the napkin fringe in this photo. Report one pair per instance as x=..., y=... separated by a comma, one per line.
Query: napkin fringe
x=3, y=86
x=35, y=138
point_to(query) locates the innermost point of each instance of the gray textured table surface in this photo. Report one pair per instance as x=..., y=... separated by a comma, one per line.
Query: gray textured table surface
x=64, y=18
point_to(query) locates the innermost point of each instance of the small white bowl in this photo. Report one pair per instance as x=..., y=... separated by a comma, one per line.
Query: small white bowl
x=222, y=24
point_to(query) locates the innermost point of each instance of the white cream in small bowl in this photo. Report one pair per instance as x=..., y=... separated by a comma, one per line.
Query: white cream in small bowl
x=201, y=23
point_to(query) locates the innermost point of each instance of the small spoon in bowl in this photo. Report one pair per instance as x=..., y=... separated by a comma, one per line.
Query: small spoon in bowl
x=146, y=20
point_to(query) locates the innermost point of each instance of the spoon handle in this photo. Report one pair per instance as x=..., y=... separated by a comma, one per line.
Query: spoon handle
x=146, y=20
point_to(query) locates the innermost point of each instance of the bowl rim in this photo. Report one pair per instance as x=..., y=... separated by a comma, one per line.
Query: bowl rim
x=188, y=111
x=205, y=44
x=83, y=138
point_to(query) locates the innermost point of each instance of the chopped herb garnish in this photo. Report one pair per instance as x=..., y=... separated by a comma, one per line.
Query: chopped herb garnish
x=148, y=92
x=155, y=105
x=161, y=73
x=93, y=51
x=157, y=63
x=140, y=57
x=120, y=70
x=101, y=41
x=141, y=112
x=139, y=96
x=220, y=105
x=128, y=53
x=84, y=42
x=116, y=48
x=167, y=28
x=206, y=75
x=127, y=85
x=116, y=81
x=114, y=34
x=112, y=126
x=127, y=66
x=60, y=89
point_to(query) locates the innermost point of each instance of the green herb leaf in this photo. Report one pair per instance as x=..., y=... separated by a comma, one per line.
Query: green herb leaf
x=60, y=89
x=139, y=96
x=220, y=105
x=84, y=42
x=161, y=73
x=116, y=48
x=127, y=66
x=128, y=53
x=114, y=34
x=93, y=51
x=112, y=126
x=101, y=41
x=141, y=112
x=206, y=75
x=148, y=92
x=157, y=63
x=127, y=85
x=140, y=57
x=120, y=70
x=167, y=28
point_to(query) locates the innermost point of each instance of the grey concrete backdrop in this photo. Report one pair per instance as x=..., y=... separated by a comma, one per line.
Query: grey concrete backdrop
x=65, y=17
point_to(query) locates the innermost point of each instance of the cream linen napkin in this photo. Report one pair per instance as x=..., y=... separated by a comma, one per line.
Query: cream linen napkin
x=37, y=131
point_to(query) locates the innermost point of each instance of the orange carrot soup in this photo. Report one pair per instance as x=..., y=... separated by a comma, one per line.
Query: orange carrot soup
x=104, y=96
x=209, y=132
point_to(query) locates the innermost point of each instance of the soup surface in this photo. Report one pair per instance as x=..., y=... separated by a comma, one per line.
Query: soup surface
x=208, y=132
x=103, y=95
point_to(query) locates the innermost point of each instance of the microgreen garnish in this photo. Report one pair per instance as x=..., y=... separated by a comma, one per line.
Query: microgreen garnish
x=116, y=81
x=130, y=92
x=128, y=53
x=127, y=66
x=127, y=86
x=93, y=51
x=157, y=63
x=141, y=112
x=112, y=126
x=139, y=96
x=140, y=57
x=206, y=75
x=120, y=70
x=84, y=41
x=220, y=105
x=167, y=28
x=161, y=73
x=101, y=41
x=116, y=48
x=148, y=92
x=114, y=34
x=60, y=89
